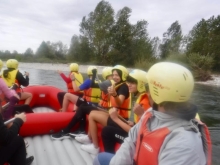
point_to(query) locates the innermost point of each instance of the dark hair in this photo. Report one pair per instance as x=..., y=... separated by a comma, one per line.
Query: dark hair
x=183, y=110
x=131, y=80
x=119, y=73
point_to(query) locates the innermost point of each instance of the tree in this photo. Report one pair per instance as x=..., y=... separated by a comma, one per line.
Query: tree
x=122, y=38
x=29, y=52
x=44, y=51
x=204, y=39
x=141, y=44
x=97, y=30
x=171, y=40
x=156, y=46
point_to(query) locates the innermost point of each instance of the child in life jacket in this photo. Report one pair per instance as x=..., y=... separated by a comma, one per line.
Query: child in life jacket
x=170, y=134
x=74, y=69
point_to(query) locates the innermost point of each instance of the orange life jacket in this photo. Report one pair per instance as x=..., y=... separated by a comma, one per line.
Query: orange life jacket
x=125, y=109
x=104, y=100
x=149, y=142
x=69, y=85
x=143, y=100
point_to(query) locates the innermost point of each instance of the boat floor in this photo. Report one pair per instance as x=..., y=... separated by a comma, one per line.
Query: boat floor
x=47, y=151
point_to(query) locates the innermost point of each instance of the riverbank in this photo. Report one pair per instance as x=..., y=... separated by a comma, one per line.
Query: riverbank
x=83, y=69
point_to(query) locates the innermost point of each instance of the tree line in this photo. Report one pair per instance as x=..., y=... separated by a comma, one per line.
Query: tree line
x=108, y=38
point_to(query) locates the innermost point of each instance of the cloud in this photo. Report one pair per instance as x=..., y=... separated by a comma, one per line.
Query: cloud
x=25, y=24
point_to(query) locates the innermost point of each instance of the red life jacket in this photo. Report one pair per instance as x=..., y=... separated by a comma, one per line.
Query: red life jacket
x=149, y=142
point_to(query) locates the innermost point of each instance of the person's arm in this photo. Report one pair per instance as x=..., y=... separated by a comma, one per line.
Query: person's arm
x=7, y=92
x=120, y=95
x=6, y=135
x=64, y=77
x=23, y=81
x=85, y=85
x=114, y=116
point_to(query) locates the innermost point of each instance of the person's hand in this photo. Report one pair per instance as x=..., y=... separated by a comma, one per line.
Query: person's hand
x=72, y=77
x=130, y=123
x=111, y=90
x=59, y=71
x=22, y=116
x=138, y=110
x=94, y=71
x=113, y=113
x=26, y=73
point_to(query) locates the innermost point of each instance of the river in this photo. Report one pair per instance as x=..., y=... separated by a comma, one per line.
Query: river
x=207, y=98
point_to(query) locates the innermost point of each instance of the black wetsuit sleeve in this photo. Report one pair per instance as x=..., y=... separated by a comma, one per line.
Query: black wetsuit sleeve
x=22, y=81
x=123, y=90
x=6, y=135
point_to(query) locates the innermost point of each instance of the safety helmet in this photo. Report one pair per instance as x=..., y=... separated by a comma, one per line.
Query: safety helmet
x=12, y=63
x=89, y=70
x=1, y=64
x=123, y=70
x=107, y=71
x=74, y=67
x=141, y=77
x=170, y=82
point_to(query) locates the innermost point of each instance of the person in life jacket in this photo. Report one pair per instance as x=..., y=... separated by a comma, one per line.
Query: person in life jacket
x=82, y=111
x=117, y=130
x=89, y=86
x=14, y=79
x=119, y=98
x=74, y=69
x=170, y=134
x=8, y=98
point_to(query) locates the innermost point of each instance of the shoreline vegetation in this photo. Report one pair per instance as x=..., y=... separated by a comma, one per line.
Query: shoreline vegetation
x=107, y=37
x=83, y=69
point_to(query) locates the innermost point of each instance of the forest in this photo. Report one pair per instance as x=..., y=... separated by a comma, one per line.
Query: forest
x=107, y=38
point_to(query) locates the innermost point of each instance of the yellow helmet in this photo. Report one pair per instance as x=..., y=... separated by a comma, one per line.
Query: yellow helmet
x=12, y=63
x=89, y=70
x=123, y=70
x=1, y=64
x=170, y=82
x=141, y=77
x=74, y=67
x=107, y=71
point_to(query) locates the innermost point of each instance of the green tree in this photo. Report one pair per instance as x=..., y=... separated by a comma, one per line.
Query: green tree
x=171, y=40
x=141, y=45
x=45, y=51
x=97, y=30
x=122, y=38
x=29, y=52
x=204, y=39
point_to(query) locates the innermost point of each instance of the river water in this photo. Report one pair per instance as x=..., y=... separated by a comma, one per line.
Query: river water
x=207, y=98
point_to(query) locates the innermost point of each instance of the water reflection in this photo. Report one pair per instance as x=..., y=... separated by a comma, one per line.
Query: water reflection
x=205, y=97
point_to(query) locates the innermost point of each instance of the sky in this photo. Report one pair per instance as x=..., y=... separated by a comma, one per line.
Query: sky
x=26, y=23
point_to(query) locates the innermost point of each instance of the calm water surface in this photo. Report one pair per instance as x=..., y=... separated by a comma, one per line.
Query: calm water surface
x=207, y=98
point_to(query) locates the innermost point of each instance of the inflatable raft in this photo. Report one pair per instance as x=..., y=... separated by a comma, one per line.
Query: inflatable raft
x=46, y=120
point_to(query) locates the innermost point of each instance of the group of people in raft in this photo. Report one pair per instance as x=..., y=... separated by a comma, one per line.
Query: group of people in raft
x=163, y=129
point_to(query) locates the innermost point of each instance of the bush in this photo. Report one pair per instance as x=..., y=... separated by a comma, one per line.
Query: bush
x=145, y=64
x=201, y=66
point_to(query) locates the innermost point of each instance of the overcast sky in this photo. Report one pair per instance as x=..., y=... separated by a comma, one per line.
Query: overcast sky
x=26, y=23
